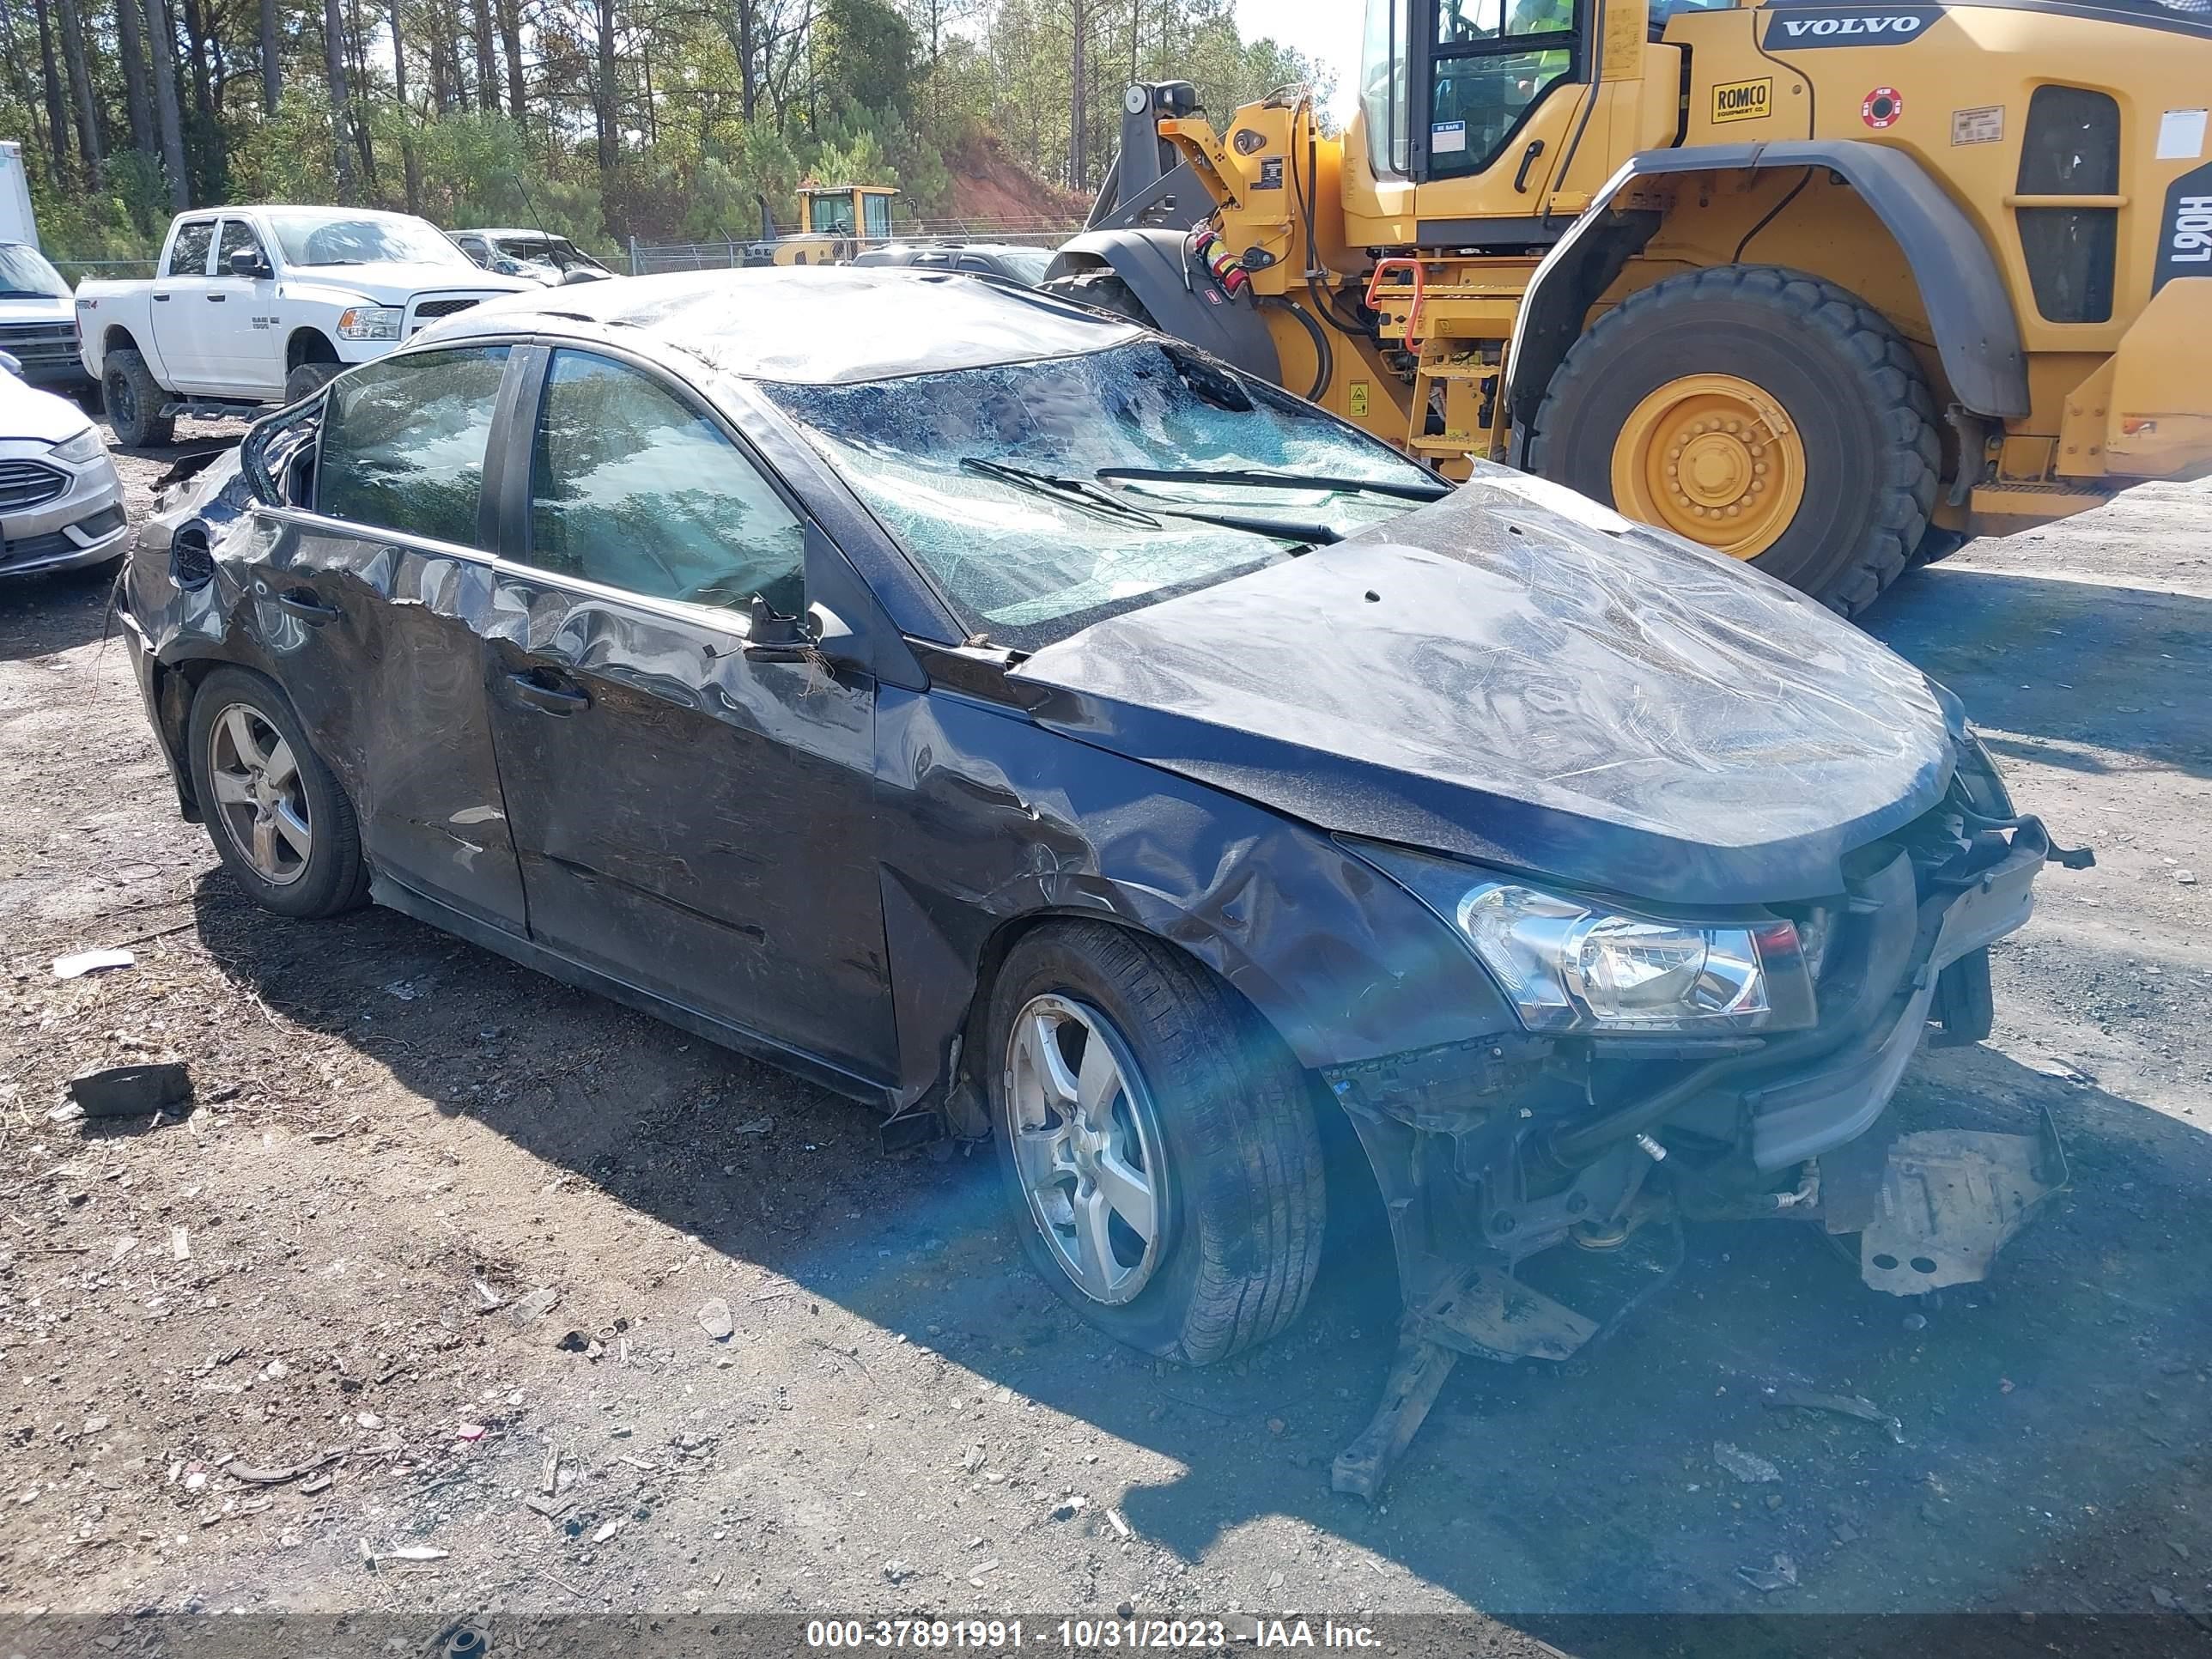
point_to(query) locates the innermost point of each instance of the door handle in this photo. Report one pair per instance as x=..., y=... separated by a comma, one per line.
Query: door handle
x=216, y=298
x=309, y=609
x=543, y=690
x=161, y=299
x=1527, y=159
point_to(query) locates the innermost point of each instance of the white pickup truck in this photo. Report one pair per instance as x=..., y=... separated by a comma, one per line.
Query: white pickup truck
x=253, y=306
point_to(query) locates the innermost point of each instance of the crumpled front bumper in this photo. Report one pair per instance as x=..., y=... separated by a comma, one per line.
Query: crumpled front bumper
x=1833, y=1100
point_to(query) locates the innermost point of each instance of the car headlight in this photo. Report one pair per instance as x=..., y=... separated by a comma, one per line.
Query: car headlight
x=1573, y=965
x=369, y=323
x=83, y=447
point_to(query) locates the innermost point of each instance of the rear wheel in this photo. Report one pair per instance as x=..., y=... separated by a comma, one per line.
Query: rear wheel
x=134, y=401
x=284, y=828
x=1764, y=413
x=1157, y=1144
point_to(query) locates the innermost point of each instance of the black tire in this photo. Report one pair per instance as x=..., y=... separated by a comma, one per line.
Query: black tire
x=1104, y=290
x=1243, y=1206
x=132, y=398
x=334, y=877
x=308, y=379
x=1938, y=545
x=1862, y=407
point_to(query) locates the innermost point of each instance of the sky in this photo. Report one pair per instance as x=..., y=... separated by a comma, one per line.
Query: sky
x=1327, y=31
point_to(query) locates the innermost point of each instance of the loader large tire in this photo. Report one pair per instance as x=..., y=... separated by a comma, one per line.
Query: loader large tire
x=1101, y=288
x=1763, y=412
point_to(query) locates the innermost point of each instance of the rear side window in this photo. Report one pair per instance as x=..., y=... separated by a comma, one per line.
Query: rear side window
x=2071, y=149
x=632, y=488
x=188, y=253
x=404, y=440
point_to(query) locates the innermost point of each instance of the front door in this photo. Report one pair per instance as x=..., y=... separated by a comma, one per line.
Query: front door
x=693, y=822
x=245, y=345
x=1504, y=82
x=368, y=600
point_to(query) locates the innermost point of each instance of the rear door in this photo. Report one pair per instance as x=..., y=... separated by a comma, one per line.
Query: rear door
x=368, y=602
x=182, y=327
x=695, y=822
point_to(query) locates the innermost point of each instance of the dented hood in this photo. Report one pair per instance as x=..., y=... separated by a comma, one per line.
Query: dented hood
x=1516, y=675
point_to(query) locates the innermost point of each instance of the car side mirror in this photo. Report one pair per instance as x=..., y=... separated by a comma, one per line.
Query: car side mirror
x=11, y=364
x=244, y=262
x=774, y=637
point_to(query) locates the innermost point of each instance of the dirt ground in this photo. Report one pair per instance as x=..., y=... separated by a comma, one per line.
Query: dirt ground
x=392, y=1128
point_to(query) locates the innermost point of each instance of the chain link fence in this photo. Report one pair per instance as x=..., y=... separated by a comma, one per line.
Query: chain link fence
x=648, y=258
x=79, y=270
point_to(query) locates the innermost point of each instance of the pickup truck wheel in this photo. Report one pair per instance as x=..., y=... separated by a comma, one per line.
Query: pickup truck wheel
x=133, y=400
x=283, y=827
x=308, y=379
x=1157, y=1142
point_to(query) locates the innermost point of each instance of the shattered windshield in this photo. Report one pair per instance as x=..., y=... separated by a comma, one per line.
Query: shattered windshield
x=555, y=251
x=1026, y=566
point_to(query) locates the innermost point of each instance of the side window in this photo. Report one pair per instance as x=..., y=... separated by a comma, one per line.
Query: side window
x=474, y=248
x=404, y=440
x=633, y=488
x=236, y=234
x=188, y=253
x=878, y=224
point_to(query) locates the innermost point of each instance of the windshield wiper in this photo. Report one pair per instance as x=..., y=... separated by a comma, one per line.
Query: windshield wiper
x=1083, y=494
x=1260, y=477
x=1074, y=492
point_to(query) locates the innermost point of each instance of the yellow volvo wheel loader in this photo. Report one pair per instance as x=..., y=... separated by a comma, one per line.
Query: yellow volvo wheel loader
x=1828, y=286
x=835, y=221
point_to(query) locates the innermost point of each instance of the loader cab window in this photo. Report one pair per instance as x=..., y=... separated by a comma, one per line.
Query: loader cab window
x=1383, y=89
x=1490, y=61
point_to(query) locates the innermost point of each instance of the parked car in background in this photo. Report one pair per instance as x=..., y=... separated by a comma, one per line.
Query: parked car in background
x=61, y=504
x=550, y=260
x=984, y=706
x=1005, y=260
x=254, y=306
x=37, y=320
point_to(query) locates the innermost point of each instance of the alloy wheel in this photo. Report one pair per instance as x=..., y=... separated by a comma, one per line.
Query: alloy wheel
x=260, y=795
x=1087, y=1146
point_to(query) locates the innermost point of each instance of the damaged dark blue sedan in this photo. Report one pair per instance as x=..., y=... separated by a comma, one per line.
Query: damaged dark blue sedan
x=1013, y=719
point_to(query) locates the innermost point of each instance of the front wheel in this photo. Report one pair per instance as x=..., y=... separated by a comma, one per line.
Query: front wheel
x=1157, y=1144
x=1763, y=413
x=308, y=379
x=134, y=401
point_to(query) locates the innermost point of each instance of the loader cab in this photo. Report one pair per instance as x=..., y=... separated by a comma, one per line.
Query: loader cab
x=860, y=214
x=1479, y=103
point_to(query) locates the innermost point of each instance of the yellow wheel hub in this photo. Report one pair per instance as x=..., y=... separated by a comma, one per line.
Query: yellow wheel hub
x=1713, y=457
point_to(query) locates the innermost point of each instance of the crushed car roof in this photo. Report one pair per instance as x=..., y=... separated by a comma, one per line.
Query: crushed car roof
x=811, y=326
